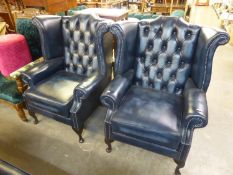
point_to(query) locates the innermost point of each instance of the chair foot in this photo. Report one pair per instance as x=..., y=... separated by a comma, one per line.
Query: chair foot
x=108, y=142
x=79, y=132
x=180, y=164
x=21, y=113
x=33, y=115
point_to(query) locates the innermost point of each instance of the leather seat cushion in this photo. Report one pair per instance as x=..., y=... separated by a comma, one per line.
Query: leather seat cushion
x=54, y=94
x=150, y=115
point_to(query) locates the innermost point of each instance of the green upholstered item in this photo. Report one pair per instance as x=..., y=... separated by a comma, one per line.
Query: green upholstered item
x=71, y=12
x=141, y=16
x=25, y=27
x=9, y=91
x=78, y=8
x=178, y=13
x=61, y=14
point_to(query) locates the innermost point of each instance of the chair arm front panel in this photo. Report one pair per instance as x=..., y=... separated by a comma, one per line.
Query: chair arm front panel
x=50, y=30
x=126, y=36
x=89, y=85
x=113, y=94
x=209, y=39
x=195, y=112
x=86, y=98
x=42, y=70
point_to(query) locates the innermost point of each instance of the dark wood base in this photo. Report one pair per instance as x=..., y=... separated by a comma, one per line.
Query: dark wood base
x=79, y=132
x=180, y=164
x=108, y=142
x=20, y=112
x=33, y=115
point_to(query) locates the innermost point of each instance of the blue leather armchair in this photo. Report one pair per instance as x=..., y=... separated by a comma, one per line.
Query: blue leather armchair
x=158, y=97
x=77, y=67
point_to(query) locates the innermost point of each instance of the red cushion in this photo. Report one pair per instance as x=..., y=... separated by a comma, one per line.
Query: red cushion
x=14, y=53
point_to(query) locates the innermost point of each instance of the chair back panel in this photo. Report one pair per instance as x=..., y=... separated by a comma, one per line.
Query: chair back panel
x=165, y=51
x=79, y=34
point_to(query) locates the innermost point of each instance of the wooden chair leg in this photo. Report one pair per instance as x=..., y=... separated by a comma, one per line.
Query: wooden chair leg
x=33, y=115
x=79, y=132
x=108, y=142
x=21, y=113
x=180, y=164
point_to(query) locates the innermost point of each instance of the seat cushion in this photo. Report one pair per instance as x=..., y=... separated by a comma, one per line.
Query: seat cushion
x=149, y=115
x=54, y=94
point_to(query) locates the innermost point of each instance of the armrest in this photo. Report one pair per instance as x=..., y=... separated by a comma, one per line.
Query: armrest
x=42, y=70
x=113, y=94
x=51, y=37
x=195, y=107
x=89, y=85
x=208, y=41
x=125, y=33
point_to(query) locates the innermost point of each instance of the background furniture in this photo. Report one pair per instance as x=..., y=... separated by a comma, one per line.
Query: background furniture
x=3, y=26
x=25, y=27
x=167, y=6
x=6, y=14
x=14, y=53
x=11, y=96
x=51, y=6
x=141, y=16
x=113, y=14
x=103, y=3
x=77, y=67
x=163, y=70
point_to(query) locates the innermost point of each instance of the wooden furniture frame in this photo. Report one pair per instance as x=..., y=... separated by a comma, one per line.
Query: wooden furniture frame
x=51, y=6
x=166, y=7
x=8, y=16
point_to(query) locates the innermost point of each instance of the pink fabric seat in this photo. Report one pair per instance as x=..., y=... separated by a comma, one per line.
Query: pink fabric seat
x=14, y=53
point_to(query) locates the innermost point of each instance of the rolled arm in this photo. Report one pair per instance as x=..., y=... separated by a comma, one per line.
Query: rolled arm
x=89, y=85
x=42, y=70
x=113, y=94
x=195, y=109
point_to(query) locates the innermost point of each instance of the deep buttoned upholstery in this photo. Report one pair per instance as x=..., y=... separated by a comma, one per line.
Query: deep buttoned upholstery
x=77, y=67
x=158, y=96
x=165, y=53
x=80, y=47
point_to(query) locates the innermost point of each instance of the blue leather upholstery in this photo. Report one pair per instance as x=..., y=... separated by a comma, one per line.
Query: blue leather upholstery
x=163, y=117
x=165, y=53
x=157, y=99
x=77, y=67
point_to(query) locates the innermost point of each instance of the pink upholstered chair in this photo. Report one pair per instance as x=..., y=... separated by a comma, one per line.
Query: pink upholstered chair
x=14, y=53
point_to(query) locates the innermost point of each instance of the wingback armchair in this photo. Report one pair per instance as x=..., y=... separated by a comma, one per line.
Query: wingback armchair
x=158, y=97
x=77, y=67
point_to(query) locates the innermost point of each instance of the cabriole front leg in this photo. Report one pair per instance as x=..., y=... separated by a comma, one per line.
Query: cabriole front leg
x=33, y=115
x=180, y=164
x=79, y=132
x=108, y=142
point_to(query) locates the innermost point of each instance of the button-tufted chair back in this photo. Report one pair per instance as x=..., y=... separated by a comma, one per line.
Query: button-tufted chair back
x=80, y=44
x=166, y=47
